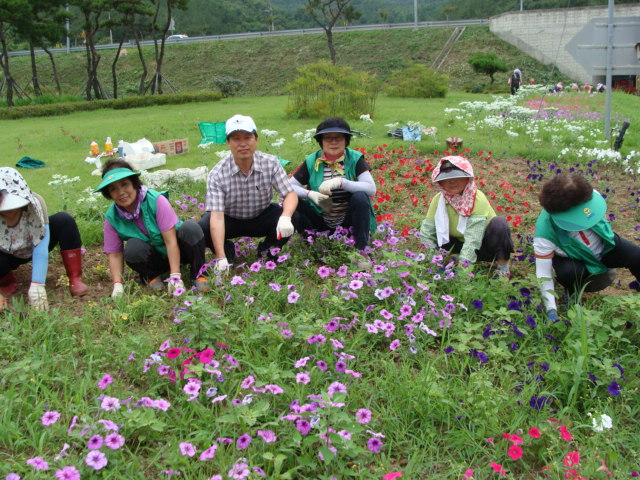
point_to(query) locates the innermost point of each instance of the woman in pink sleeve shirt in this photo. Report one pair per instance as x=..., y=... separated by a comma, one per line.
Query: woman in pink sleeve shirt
x=142, y=230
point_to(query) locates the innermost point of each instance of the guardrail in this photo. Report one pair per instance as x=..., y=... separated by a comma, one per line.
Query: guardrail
x=276, y=33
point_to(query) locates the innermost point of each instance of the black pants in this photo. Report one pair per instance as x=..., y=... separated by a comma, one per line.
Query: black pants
x=358, y=217
x=63, y=231
x=573, y=274
x=496, y=242
x=264, y=225
x=149, y=263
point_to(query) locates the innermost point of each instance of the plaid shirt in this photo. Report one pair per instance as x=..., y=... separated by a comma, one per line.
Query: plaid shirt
x=245, y=196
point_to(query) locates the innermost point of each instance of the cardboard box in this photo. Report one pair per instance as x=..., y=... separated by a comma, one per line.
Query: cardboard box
x=175, y=146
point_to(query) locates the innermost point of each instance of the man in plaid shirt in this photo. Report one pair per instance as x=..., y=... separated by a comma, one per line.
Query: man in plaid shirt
x=240, y=193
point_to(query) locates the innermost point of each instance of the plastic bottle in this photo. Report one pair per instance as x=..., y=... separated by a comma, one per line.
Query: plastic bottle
x=120, y=148
x=108, y=147
x=95, y=151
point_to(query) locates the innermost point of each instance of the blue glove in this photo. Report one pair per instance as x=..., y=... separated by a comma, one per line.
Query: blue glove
x=552, y=314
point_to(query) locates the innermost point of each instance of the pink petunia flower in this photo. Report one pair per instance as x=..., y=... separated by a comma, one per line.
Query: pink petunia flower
x=303, y=377
x=38, y=463
x=96, y=460
x=68, y=473
x=267, y=435
x=468, y=474
x=363, y=416
x=114, y=441
x=49, y=418
x=187, y=449
x=209, y=453
x=247, y=382
x=110, y=403
x=336, y=387
x=394, y=345
x=498, y=468
x=104, y=381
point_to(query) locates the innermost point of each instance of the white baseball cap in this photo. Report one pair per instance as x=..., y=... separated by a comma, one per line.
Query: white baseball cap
x=9, y=201
x=240, y=122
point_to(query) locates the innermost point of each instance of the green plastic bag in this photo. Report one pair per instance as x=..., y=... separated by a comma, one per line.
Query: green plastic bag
x=28, y=162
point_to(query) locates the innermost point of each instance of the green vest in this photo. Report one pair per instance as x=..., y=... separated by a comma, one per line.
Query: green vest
x=351, y=158
x=127, y=229
x=545, y=228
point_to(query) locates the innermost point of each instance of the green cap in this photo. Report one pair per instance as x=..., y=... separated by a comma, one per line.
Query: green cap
x=115, y=175
x=583, y=216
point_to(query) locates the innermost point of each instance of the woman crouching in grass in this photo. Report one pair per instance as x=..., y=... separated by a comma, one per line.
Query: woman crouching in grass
x=142, y=229
x=461, y=220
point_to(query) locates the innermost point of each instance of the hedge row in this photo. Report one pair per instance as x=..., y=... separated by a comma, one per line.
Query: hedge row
x=65, y=108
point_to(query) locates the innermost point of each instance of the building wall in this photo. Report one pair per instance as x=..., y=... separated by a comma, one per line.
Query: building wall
x=543, y=34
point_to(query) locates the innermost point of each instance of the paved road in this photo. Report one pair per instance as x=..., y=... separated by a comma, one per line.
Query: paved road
x=277, y=33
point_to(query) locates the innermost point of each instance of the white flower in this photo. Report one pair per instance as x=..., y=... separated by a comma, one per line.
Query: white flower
x=602, y=422
x=278, y=143
x=366, y=118
x=268, y=133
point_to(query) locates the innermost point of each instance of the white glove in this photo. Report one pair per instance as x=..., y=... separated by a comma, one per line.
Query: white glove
x=38, y=296
x=317, y=197
x=175, y=282
x=221, y=265
x=118, y=290
x=328, y=185
x=323, y=201
x=284, y=228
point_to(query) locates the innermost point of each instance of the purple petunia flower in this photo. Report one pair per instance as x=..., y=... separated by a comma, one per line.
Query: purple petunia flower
x=187, y=449
x=477, y=304
x=49, y=418
x=538, y=403
x=244, y=441
x=614, y=389
x=375, y=444
x=449, y=350
x=95, y=442
x=303, y=426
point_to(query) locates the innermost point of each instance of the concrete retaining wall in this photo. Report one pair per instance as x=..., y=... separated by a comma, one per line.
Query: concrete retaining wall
x=543, y=34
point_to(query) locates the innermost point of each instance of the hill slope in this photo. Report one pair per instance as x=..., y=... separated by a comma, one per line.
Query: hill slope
x=266, y=65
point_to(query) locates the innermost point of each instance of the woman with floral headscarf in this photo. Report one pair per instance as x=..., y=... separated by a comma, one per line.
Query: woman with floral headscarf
x=461, y=220
x=27, y=233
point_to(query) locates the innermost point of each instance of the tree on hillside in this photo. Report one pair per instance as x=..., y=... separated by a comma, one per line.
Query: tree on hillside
x=155, y=85
x=44, y=26
x=91, y=10
x=12, y=12
x=130, y=12
x=326, y=13
x=487, y=63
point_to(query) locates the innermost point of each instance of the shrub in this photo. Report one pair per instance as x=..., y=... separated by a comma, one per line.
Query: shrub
x=487, y=63
x=65, y=107
x=228, y=86
x=418, y=81
x=324, y=90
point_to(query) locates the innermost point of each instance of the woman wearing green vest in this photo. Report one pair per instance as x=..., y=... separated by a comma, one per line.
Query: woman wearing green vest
x=461, y=220
x=334, y=185
x=142, y=229
x=574, y=238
